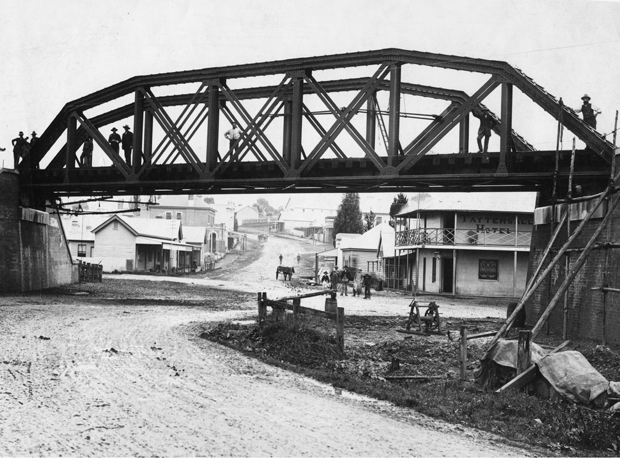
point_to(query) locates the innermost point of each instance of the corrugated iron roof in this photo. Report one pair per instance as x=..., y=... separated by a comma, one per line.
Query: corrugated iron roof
x=520, y=202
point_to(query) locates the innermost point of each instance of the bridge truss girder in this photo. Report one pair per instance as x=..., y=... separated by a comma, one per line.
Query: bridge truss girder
x=257, y=163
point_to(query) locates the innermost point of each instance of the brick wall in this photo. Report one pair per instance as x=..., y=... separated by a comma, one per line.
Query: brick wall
x=585, y=306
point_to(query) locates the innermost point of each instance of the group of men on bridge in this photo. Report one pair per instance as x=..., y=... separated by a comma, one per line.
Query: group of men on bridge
x=21, y=145
x=21, y=149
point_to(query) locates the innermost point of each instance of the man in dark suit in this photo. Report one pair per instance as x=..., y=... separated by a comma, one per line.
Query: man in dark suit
x=127, y=144
x=487, y=123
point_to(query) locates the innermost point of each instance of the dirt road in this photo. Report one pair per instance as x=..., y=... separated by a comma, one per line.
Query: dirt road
x=87, y=378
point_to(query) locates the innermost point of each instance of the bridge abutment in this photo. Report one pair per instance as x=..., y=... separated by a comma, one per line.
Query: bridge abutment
x=33, y=252
x=591, y=313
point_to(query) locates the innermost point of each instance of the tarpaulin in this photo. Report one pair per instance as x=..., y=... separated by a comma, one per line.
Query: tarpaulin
x=572, y=375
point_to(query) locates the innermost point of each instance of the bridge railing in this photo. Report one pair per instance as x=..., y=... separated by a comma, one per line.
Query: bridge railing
x=463, y=237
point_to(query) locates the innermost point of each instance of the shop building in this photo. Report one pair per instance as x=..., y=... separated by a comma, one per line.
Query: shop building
x=473, y=244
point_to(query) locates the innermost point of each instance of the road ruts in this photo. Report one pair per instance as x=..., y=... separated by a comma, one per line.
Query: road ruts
x=91, y=381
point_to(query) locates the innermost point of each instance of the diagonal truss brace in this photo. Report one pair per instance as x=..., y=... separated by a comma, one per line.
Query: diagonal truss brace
x=102, y=142
x=197, y=99
x=171, y=130
x=254, y=126
x=413, y=153
x=343, y=119
x=319, y=129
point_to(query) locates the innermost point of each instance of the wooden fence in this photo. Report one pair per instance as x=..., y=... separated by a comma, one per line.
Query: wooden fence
x=90, y=272
x=332, y=311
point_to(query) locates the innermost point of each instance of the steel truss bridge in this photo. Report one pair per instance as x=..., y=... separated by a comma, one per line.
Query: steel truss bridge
x=285, y=145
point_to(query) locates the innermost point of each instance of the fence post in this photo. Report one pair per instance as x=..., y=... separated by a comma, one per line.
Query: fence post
x=331, y=303
x=463, y=351
x=524, y=352
x=262, y=309
x=340, y=328
x=296, y=305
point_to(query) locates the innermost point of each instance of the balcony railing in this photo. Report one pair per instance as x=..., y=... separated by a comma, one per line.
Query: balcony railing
x=451, y=237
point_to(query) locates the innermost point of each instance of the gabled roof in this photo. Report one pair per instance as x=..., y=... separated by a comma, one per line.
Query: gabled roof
x=518, y=202
x=83, y=230
x=167, y=229
x=248, y=207
x=195, y=234
x=370, y=239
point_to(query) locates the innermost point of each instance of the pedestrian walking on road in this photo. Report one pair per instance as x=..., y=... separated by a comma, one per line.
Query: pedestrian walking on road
x=357, y=283
x=298, y=258
x=280, y=259
x=366, y=280
x=344, y=278
x=335, y=279
x=325, y=280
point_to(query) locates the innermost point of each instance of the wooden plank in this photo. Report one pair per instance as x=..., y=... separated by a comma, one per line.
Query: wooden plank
x=404, y=331
x=463, y=351
x=528, y=374
x=303, y=296
x=415, y=377
x=322, y=314
x=481, y=334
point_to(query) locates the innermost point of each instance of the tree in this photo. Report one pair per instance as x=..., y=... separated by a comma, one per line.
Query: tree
x=208, y=200
x=369, y=220
x=399, y=201
x=264, y=207
x=349, y=217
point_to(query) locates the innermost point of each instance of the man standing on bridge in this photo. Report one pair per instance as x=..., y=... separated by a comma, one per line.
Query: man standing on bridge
x=20, y=146
x=114, y=140
x=233, y=135
x=87, y=153
x=487, y=123
x=127, y=144
x=589, y=113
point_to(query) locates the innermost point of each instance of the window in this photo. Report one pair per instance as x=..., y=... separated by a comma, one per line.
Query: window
x=434, y=274
x=81, y=250
x=179, y=216
x=92, y=251
x=168, y=215
x=488, y=269
x=115, y=225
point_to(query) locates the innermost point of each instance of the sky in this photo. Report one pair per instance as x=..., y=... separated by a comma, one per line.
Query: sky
x=55, y=52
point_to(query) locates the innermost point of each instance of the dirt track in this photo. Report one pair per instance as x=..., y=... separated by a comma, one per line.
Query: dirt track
x=84, y=379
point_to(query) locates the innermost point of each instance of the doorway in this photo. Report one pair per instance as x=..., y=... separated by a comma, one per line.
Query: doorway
x=447, y=266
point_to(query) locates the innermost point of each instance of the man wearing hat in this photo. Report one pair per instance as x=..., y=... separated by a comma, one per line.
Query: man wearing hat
x=487, y=123
x=34, y=139
x=589, y=113
x=20, y=147
x=127, y=144
x=114, y=139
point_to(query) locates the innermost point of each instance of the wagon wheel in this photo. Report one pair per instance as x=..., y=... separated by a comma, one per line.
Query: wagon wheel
x=433, y=324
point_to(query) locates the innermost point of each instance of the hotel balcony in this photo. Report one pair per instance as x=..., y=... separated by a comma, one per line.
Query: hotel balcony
x=489, y=238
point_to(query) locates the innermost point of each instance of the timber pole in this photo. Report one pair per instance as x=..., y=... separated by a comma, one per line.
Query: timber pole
x=573, y=272
x=606, y=264
x=559, y=255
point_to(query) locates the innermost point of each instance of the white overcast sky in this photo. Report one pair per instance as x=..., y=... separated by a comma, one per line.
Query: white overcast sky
x=52, y=52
